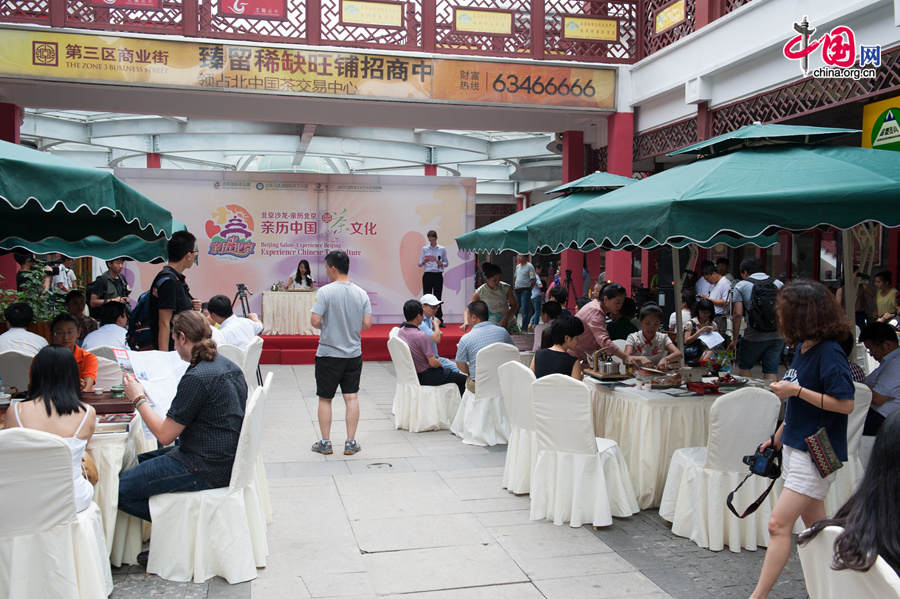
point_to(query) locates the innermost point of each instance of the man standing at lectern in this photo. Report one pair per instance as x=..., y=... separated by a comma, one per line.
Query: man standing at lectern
x=434, y=258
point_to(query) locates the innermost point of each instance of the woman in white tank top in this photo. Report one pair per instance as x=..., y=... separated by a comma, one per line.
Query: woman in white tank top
x=54, y=406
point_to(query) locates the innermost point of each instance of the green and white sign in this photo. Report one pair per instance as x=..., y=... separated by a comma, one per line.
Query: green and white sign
x=886, y=130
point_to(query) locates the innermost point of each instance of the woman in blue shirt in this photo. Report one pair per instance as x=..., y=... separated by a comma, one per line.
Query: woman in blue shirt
x=819, y=393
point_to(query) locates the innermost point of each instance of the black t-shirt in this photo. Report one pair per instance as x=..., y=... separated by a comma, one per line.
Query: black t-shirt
x=172, y=293
x=548, y=361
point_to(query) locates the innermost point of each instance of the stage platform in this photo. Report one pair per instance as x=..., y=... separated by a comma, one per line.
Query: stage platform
x=301, y=349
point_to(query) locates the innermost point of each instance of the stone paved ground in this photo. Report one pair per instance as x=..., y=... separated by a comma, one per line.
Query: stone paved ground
x=422, y=515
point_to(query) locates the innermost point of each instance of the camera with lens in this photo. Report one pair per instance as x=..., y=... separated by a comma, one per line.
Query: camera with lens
x=765, y=462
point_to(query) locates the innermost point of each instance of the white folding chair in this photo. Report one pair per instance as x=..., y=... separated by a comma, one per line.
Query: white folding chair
x=578, y=478
x=235, y=354
x=481, y=417
x=700, y=478
x=103, y=351
x=419, y=407
x=847, y=478
x=216, y=532
x=15, y=369
x=251, y=361
x=46, y=548
x=109, y=373
x=393, y=332
x=521, y=452
x=823, y=582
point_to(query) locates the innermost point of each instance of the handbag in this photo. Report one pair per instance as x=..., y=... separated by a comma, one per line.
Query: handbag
x=822, y=453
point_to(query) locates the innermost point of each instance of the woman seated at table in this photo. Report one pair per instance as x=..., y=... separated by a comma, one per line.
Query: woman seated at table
x=498, y=296
x=64, y=331
x=564, y=332
x=870, y=528
x=205, y=416
x=54, y=406
x=701, y=324
x=301, y=279
x=649, y=347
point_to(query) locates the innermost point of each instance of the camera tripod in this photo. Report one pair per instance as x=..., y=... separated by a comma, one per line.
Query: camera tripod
x=242, y=294
x=570, y=288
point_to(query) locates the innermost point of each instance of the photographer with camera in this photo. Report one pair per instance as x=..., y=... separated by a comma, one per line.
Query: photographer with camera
x=819, y=393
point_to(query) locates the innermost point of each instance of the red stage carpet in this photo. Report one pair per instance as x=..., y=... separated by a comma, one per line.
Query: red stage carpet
x=301, y=349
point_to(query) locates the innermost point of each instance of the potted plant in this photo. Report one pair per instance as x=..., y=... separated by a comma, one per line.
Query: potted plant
x=45, y=303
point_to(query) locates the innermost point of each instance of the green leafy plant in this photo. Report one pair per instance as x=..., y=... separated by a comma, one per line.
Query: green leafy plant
x=45, y=304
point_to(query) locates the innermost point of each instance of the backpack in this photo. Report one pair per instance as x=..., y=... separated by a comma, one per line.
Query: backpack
x=139, y=326
x=761, y=312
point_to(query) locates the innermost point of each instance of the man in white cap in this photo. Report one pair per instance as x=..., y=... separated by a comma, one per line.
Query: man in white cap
x=431, y=326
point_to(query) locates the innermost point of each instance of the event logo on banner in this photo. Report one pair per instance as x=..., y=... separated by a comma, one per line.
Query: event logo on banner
x=229, y=231
x=255, y=9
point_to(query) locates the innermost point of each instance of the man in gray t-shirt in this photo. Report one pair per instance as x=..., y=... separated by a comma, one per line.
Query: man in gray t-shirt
x=342, y=310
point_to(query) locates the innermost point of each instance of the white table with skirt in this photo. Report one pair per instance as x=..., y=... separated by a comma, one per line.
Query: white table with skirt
x=649, y=426
x=288, y=312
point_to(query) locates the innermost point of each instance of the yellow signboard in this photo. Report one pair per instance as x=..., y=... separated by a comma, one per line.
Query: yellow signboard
x=670, y=16
x=590, y=28
x=133, y=61
x=471, y=20
x=881, y=124
x=374, y=14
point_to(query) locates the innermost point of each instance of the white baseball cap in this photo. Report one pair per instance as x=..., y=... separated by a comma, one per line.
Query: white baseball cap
x=430, y=299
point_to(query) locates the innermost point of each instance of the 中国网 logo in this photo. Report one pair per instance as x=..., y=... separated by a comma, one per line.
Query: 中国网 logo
x=838, y=49
x=229, y=230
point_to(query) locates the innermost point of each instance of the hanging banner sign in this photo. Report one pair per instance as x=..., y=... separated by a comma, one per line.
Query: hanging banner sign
x=669, y=16
x=132, y=4
x=152, y=62
x=471, y=20
x=363, y=13
x=589, y=28
x=253, y=9
x=881, y=124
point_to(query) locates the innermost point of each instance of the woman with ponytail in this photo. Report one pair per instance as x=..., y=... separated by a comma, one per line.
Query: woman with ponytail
x=205, y=417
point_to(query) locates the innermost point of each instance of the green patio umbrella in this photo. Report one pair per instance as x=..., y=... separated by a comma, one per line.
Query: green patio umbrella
x=43, y=195
x=509, y=233
x=129, y=246
x=757, y=134
x=747, y=193
x=596, y=181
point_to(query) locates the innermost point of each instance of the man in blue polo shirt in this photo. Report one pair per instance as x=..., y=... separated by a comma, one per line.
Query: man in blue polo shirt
x=881, y=341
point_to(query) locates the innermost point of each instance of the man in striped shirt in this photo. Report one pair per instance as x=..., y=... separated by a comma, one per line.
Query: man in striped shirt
x=481, y=334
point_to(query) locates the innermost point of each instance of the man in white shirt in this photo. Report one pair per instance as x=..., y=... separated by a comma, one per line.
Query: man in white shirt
x=433, y=258
x=113, y=328
x=19, y=316
x=719, y=295
x=235, y=330
x=64, y=279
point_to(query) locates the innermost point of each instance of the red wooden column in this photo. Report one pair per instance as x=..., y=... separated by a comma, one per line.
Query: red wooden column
x=572, y=168
x=619, y=161
x=10, y=121
x=787, y=249
x=430, y=170
x=154, y=160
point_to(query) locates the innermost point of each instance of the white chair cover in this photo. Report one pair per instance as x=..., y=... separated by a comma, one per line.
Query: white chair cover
x=521, y=453
x=103, y=351
x=251, y=361
x=262, y=481
x=847, y=478
x=233, y=353
x=15, y=369
x=46, y=549
x=418, y=407
x=481, y=417
x=577, y=478
x=700, y=478
x=218, y=532
x=109, y=373
x=393, y=332
x=816, y=556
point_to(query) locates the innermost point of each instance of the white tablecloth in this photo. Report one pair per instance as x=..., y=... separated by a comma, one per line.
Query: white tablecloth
x=113, y=453
x=287, y=312
x=649, y=426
